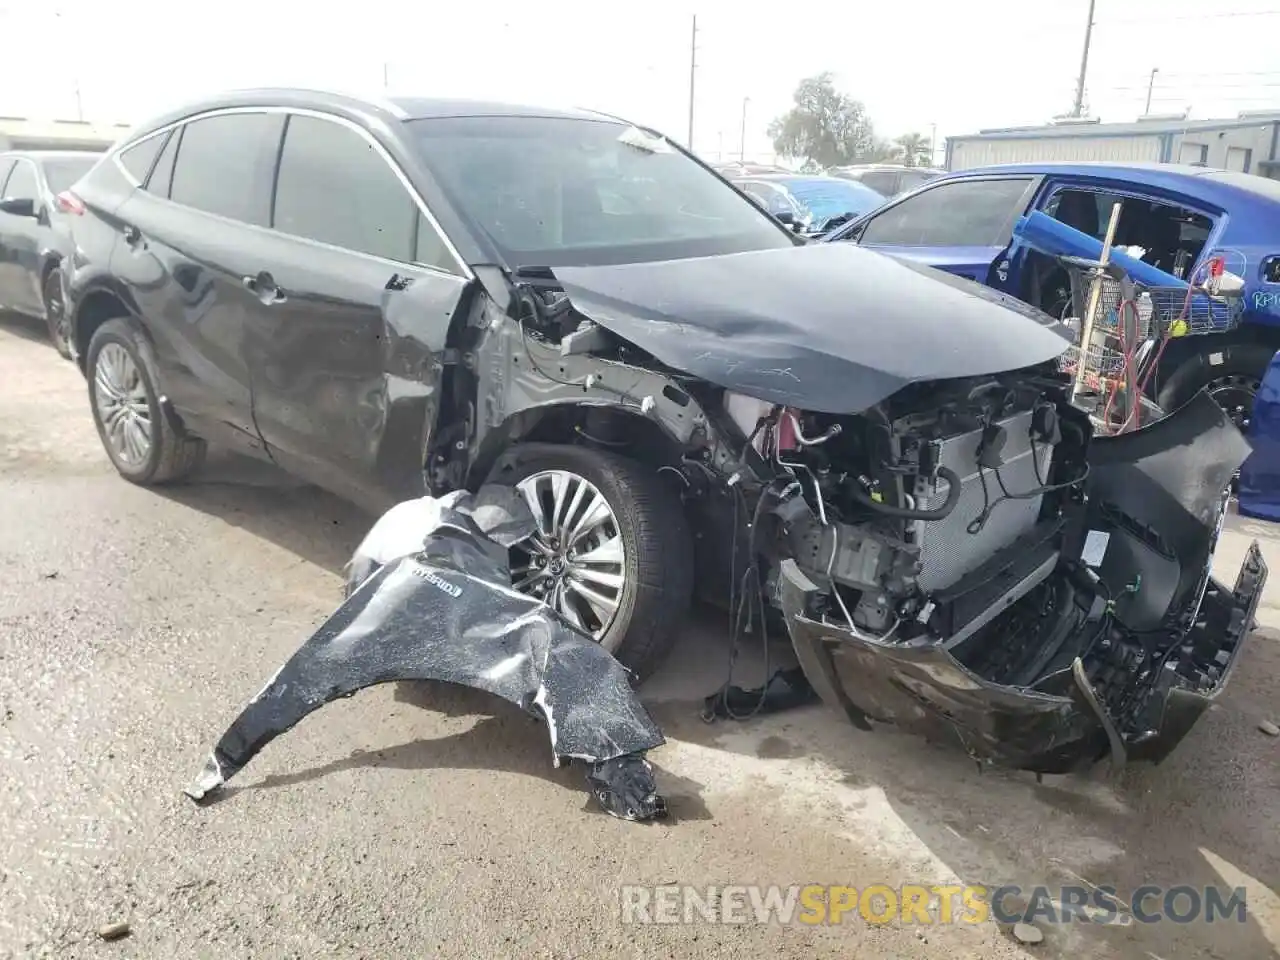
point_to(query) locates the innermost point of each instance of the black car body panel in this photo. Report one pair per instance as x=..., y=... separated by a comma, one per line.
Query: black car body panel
x=824, y=327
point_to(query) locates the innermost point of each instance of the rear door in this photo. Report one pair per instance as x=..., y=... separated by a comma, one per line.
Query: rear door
x=20, y=241
x=190, y=237
x=341, y=396
x=960, y=226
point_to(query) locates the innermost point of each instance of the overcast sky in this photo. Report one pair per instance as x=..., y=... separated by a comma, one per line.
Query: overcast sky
x=959, y=64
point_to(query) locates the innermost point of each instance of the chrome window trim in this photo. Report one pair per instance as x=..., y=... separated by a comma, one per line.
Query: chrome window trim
x=463, y=269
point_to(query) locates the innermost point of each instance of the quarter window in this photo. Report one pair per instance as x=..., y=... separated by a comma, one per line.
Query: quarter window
x=223, y=165
x=967, y=213
x=139, y=158
x=22, y=183
x=334, y=187
x=162, y=174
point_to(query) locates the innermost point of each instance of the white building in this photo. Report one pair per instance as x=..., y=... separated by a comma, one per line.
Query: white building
x=19, y=133
x=1250, y=143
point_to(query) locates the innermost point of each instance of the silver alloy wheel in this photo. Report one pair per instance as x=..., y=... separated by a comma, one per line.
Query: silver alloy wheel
x=576, y=562
x=123, y=410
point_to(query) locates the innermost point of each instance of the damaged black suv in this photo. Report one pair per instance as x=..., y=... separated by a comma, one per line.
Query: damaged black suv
x=399, y=298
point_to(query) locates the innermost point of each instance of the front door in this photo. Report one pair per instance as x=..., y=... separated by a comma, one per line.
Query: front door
x=341, y=395
x=962, y=226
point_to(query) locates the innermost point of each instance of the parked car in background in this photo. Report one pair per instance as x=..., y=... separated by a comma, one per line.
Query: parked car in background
x=34, y=239
x=889, y=179
x=1179, y=215
x=815, y=203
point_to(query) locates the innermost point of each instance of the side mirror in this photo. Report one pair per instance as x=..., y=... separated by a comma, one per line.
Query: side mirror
x=786, y=217
x=18, y=206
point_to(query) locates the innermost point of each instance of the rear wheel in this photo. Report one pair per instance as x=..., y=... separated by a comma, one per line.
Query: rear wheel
x=145, y=445
x=55, y=313
x=612, y=553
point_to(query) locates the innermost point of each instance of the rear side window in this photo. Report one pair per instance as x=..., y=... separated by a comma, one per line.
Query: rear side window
x=884, y=182
x=967, y=213
x=62, y=174
x=22, y=183
x=223, y=165
x=138, y=158
x=334, y=187
x=162, y=172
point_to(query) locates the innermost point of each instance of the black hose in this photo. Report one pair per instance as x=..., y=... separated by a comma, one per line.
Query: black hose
x=910, y=513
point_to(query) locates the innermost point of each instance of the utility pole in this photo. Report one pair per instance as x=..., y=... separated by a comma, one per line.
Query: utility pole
x=693, y=67
x=79, y=104
x=1077, y=109
x=742, y=142
x=933, y=144
x=1150, y=86
x=386, y=83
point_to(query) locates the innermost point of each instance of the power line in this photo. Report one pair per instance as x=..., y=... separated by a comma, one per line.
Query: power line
x=1191, y=16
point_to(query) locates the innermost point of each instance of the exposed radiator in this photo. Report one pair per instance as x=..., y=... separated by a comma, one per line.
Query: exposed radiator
x=947, y=550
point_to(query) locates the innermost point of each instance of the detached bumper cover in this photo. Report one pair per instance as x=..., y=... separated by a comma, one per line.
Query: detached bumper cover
x=926, y=690
x=445, y=613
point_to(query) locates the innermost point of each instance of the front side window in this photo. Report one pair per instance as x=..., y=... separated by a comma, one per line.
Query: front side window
x=223, y=165
x=966, y=213
x=559, y=191
x=22, y=183
x=333, y=186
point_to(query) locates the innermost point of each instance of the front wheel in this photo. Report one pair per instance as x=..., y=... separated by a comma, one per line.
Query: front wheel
x=612, y=553
x=1231, y=373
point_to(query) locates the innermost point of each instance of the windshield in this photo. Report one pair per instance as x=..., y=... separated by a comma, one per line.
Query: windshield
x=555, y=192
x=62, y=174
x=829, y=197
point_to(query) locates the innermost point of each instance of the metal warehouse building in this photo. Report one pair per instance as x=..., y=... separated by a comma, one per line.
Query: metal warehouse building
x=1250, y=143
x=19, y=133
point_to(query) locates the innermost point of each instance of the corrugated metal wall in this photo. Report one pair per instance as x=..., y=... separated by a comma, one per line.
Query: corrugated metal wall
x=980, y=153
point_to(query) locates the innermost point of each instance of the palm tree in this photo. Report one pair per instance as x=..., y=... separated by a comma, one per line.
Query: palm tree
x=916, y=149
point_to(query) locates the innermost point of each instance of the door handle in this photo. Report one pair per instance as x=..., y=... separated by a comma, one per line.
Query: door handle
x=133, y=236
x=263, y=286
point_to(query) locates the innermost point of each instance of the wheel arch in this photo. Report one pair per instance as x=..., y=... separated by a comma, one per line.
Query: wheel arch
x=615, y=427
x=94, y=307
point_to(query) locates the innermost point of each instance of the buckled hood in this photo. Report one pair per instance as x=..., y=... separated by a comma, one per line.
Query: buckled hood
x=831, y=328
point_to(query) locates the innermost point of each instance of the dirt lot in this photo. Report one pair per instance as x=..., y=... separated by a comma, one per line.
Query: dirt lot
x=424, y=821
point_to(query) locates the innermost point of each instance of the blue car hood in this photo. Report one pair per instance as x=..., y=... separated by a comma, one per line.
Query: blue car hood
x=828, y=327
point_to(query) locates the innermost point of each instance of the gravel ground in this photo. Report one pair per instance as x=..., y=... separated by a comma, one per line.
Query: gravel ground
x=419, y=820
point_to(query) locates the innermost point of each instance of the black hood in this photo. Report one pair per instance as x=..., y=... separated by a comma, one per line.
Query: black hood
x=829, y=327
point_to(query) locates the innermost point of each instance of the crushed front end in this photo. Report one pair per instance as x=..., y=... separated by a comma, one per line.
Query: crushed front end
x=967, y=561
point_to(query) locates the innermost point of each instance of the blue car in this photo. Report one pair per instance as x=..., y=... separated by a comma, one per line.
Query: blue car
x=1179, y=216
x=815, y=203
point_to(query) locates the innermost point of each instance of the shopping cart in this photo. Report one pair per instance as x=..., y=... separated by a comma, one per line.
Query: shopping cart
x=1132, y=324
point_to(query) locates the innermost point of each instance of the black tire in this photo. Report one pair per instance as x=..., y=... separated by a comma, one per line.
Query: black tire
x=1235, y=368
x=658, y=561
x=55, y=313
x=173, y=454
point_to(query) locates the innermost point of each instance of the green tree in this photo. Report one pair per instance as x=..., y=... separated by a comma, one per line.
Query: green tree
x=825, y=127
x=915, y=149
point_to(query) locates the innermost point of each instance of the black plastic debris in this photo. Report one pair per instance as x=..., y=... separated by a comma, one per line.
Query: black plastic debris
x=446, y=612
